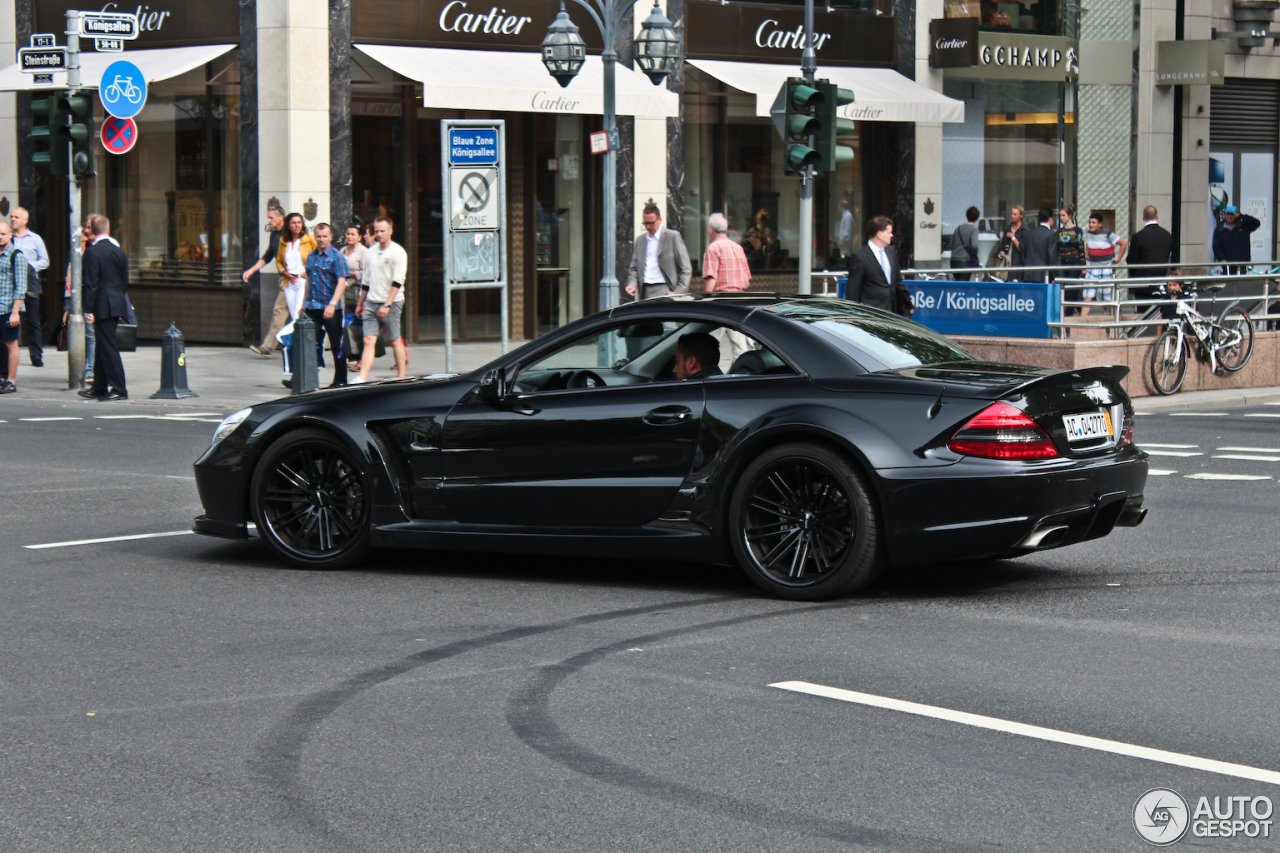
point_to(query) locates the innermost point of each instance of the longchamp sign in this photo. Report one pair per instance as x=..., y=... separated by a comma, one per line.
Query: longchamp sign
x=1009, y=56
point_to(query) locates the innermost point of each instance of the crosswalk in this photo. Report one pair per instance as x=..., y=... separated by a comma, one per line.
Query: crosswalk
x=1236, y=453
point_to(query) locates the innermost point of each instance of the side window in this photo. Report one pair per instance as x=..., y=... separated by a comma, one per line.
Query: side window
x=742, y=355
x=631, y=354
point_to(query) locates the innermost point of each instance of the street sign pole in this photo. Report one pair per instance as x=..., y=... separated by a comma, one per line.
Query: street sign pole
x=809, y=69
x=75, y=316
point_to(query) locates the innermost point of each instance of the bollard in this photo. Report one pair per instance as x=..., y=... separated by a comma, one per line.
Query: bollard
x=306, y=373
x=173, y=367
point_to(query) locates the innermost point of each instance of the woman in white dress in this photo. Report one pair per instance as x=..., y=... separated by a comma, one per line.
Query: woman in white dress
x=291, y=261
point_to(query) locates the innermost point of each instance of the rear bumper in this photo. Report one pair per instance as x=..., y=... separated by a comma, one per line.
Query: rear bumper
x=950, y=516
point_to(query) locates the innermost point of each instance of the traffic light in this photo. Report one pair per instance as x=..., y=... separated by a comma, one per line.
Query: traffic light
x=832, y=126
x=56, y=156
x=802, y=103
x=77, y=129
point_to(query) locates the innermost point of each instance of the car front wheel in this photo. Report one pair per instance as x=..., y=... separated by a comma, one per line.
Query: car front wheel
x=311, y=502
x=804, y=524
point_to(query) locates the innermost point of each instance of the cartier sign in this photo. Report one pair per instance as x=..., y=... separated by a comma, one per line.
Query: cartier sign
x=953, y=43
x=479, y=24
x=161, y=23
x=767, y=33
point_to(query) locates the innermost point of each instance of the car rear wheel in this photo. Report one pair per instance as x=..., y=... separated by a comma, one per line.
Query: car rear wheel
x=311, y=501
x=804, y=524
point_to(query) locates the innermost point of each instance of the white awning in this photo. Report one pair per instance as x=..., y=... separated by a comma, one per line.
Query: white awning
x=510, y=81
x=880, y=94
x=156, y=64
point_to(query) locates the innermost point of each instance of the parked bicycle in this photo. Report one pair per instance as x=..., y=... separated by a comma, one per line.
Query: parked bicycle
x=1226, y=342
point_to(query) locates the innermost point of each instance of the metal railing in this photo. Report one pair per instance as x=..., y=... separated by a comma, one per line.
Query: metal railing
x=1262, y=300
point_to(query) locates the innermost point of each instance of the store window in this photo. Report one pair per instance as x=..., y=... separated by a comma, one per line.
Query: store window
x=1014, y=149
x=1044, y=17
x=734, y=165
x=174, y=200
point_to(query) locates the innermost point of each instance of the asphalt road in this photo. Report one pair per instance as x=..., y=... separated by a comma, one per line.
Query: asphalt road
x=186, y=694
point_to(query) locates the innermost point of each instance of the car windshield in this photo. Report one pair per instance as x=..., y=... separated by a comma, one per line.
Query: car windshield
x=864, y=333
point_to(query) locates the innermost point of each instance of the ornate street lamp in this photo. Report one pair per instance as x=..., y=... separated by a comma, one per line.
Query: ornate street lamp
x=657, y=52
x=563, y=50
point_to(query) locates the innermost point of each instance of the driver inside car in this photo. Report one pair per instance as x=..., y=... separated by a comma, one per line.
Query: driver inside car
x=695, y=350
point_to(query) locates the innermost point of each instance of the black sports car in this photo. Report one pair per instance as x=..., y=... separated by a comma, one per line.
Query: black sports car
x=828, y=442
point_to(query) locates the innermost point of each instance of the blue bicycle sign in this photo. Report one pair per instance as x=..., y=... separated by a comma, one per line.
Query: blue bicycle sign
x=123, y=89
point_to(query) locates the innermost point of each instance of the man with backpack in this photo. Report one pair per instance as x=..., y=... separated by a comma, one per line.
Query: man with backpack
x=964, y=245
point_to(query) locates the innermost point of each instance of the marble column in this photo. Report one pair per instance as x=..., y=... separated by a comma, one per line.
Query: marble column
x=927, y=161
x=250, y=216
x=28, y=178
x=8, y=110
x=675, y=128
x=904, y=146
x=340, y=112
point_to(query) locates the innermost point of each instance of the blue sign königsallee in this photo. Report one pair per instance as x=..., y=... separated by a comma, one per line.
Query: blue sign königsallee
x=123, y=89
x=1016, y=309
x=473, y=145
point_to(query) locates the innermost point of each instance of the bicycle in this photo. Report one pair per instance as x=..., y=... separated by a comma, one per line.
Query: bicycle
x=1226, y=342
x=123, y=88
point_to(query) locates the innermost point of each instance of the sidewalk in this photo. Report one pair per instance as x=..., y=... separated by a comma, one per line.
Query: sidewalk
x=230, y=378
x=226, y=378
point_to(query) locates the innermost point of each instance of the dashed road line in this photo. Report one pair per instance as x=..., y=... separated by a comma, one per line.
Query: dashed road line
x=1147, y=444
x=1115, y=747
x=1208, y=476
x=1252, y=449
x=47, y=420
x=1179, y=453
x=1246, y=458
x=1159, y=472
x=108, y=539
x=1199, y=414
x=1263, y=415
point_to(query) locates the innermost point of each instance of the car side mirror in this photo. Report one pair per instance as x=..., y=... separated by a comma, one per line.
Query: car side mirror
x=493, y=385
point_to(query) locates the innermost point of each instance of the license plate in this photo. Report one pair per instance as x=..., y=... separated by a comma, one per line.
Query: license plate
x=1088, y=426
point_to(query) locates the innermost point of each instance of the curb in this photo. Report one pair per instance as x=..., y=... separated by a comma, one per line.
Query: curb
x=1201, y=399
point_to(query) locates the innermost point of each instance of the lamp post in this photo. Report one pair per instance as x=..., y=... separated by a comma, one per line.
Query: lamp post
x=657, y=52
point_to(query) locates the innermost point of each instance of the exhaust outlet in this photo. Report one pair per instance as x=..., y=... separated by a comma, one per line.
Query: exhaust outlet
x=1045, y=537
x=1132, y=517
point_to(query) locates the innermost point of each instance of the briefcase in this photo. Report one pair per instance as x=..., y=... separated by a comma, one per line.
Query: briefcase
x=127, y=337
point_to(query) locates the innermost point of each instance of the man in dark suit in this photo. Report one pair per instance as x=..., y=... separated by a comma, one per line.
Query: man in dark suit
x=875, y=278
x=660, y=262
x=106, y=276
x=1151, y=245
x=1039, y=246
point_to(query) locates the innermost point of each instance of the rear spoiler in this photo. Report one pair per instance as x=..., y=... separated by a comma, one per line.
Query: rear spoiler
x=1112, y=372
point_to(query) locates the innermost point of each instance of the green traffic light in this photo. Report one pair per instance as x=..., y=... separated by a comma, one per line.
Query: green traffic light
x=805, y=97
x=799, y=156
x=802, y=126
x=833, y=126
x=75, y=105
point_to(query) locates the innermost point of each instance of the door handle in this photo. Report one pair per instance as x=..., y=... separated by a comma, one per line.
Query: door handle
x=667, y=416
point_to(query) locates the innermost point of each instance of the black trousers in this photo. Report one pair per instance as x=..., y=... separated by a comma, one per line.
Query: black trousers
x=35, y=331
x=108, y=369
x=333, y=328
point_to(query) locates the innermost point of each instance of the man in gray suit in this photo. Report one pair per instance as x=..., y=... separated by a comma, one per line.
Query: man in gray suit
x=660, y=263
x=1039, y=247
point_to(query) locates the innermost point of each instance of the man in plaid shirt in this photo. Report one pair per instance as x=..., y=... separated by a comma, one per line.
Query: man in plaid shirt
x=724, y=269
x=13, y=292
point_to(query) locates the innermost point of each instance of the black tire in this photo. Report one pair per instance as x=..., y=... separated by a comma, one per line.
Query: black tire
x=1168, y=364
x=804, y=524
x=311, y=501
x=1235, y=357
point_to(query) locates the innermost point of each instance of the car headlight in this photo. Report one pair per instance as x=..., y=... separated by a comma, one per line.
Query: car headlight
x=229, y=424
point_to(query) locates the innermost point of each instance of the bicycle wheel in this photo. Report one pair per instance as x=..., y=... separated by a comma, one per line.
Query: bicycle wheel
x=1236, y=355
x=1168, y=363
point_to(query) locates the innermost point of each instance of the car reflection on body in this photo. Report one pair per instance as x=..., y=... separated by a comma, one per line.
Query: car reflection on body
x=844, y=442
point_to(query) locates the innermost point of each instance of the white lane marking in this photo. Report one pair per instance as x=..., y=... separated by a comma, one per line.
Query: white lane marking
x=1225, y=477
x=1198, y=414
x=1147, y=444
x=1263, y=415
x=1159, y=472
x=121, y=417
x=1180, y=453
x=1246, y=458
x=109, y=539
x=1115, y=747
x=1277, y=403
x=180, y=415
x=46, y=420
x=1252, y=449
x=1143, y=414
x=176, y=477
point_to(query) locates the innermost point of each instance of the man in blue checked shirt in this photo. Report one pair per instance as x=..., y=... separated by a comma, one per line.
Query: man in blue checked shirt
x=326, y=282
x=29, y=243
x=13, y=295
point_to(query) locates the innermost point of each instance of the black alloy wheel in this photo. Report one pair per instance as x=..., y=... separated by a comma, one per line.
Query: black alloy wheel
x=311, y=502
x=804, y=524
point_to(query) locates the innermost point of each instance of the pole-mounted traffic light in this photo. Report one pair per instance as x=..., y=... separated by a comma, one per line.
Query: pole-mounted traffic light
x=832, y=126
x=56, y=156
x=802, y=123
x=77, y=129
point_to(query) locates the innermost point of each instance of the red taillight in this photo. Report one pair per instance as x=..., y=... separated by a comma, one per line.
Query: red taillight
x=1002, y=432
x=1126, y=427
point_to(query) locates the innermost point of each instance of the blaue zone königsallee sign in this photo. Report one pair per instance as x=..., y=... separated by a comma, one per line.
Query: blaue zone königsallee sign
x=1015, y=310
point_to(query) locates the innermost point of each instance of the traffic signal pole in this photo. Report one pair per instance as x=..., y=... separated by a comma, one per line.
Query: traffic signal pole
x=75, y=311
x=809, y=69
